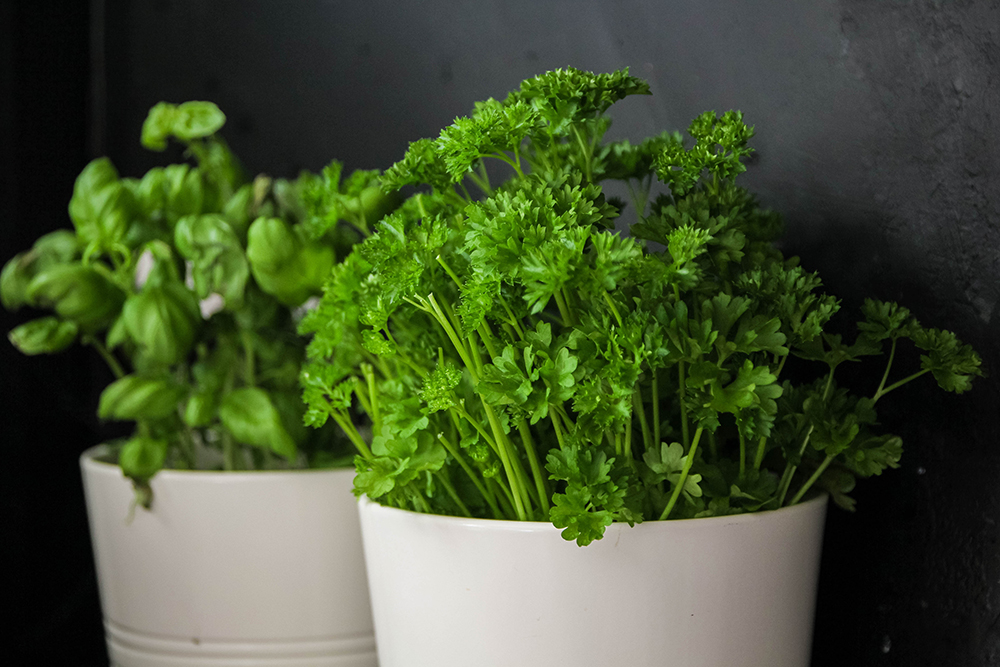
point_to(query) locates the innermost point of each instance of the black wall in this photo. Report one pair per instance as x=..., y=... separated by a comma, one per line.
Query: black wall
x=878, y=138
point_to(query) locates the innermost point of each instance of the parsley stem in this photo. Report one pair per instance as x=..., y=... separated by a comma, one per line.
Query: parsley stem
x=781, y=365
x=789, y=473
x=447, y=269
x=656, y=410
x=361, y=391
x=506, y=498
x=504, y=452
x=647, y=437
x=679, y=486
x=487, y=337
x=375, y=411
x=503, y=156
x=479, y=428
x=443, y=478
x=812, y=480
x=563, y=309
x=681, y=387
x=888, y=366
x=557, y=427
x=483, y=174
x=347, y=426
x=536, y=470
x=463, y=352
x=586, y=153
x=614, y=311
x=897, y=385
x=758, y=459
x=481, y=183
x=514, y=322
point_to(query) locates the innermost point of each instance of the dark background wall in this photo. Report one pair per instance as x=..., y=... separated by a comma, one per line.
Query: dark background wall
x=877, y=137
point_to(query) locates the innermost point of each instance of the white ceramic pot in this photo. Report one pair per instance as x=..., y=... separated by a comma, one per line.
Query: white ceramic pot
x=256, y=569
x=720, y=592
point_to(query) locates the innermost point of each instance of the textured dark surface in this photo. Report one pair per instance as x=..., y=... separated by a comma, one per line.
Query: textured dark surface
x=878, y=138
x=49, y=588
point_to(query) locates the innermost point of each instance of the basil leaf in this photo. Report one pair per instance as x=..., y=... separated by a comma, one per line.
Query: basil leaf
x=102, y=206
x=218, y=262
x=58, y=247
x=142, y=457
x=284, y=264
x=188, y=121
x=163, y=320
x=137, y=396
x=77, y=292
x=250, y=415
x=46, y=335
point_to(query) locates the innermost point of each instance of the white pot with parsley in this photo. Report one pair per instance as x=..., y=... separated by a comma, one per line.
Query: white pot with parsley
x=522, y=362
x=220, y=533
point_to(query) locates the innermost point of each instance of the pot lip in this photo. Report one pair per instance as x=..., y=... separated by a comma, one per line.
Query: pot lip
x=367, y=506
x=89, y=461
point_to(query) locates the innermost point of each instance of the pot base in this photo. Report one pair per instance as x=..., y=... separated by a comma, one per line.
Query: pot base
x=136, y=649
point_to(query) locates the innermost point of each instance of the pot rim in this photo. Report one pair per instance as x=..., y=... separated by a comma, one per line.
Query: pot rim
x=89, y=461
x=368, y=506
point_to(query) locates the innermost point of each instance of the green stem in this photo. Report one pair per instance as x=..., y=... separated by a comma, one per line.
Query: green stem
x=789, y=472
x=536, y=470
x=684, y=475
x=781, y=366
x=488, y=497
x=456, y=341
x=460, y=409
x=656, y=410
x=897, y=385
x=888, y=366
x=514, y=322
x=506, y=498
x=448, y=270
x=443, y=478
x=682, y=390
x=614, y=310
x=352, y=434
x=586, y=154
x=557, y=427
x=503, y=156
x=647, y=436
x=564, y=311
x=758, y=459
x=109, y=358
x=506, y=460
x=812, y=480
x=375, y=411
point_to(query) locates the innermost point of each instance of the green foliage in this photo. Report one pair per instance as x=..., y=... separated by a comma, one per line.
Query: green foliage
x=518, y=359
x=184, y=281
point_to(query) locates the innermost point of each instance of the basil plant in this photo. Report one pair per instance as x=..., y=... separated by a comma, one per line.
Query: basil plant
x=189, y=282
x=520, y=359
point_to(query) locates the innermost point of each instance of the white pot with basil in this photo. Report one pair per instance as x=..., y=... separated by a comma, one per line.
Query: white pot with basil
x=587, y=448
x=224, y=531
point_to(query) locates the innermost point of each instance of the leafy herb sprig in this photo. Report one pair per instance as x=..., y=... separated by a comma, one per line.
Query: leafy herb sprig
x=518, y=359
x=185, y=281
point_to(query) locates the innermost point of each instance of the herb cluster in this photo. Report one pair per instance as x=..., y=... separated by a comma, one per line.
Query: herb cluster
x=185, y=281
x=519, y=359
